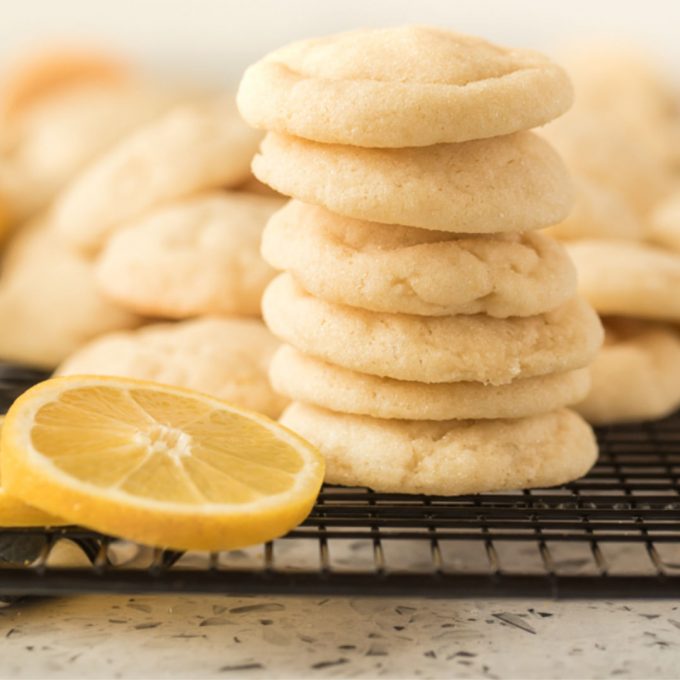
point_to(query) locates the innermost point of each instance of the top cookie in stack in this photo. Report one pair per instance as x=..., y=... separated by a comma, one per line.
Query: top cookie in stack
x=434, y=337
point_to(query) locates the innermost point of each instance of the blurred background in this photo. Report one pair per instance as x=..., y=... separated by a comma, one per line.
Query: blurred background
x=217, y=39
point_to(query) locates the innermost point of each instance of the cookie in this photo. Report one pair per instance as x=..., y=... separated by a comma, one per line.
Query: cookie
x=195, y=147
x=444, y=349
x=49, y=301
x=391, y=268
x=405, y=86
x=628, y=279
x=195, y=257
x=447, y=457
x=312, y=381
x=622, y=85
x=47, y=143
x=636, y=375
x=511, y=183
x=40, y=74
x=664, y=225
x=607, y=154
x=599, y=212
x=226, y=358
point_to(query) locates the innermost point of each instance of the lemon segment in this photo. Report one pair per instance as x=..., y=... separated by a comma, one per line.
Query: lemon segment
x=161, y=465
x=15, y=513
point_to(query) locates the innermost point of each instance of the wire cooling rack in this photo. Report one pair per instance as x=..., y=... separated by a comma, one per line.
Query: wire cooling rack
x=615, y=533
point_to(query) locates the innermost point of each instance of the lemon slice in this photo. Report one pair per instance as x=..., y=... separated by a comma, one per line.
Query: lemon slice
x=15, y=513
x=161, y=465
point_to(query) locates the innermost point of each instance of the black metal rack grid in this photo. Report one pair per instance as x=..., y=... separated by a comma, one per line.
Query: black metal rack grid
x=615, y=533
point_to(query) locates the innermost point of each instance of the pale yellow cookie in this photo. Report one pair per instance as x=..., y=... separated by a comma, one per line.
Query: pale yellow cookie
x=599, y=212
x=41, y=73
x=391, y=268
x=47, y=143
x=447, y=457
x=227, y=358
x=664, y=224
x=194, y=147
x=622, y=85
x=628, y=279
x=636, y=375
x=443, y=349
x=605, y=152
x=49, y=301
x=405, y=86
x=195, y=257
x=312, y=381
x=511, y=183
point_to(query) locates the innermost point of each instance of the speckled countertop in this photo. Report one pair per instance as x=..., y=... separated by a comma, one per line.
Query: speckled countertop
x=222, y=637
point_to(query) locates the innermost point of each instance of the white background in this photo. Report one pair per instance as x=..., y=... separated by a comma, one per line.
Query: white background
x=216, y=39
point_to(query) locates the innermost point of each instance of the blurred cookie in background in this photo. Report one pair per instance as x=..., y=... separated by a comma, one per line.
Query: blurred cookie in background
x=623, y=132
x=59, y=110
x=194, y=147
x=191, y=258
x=623, y=85
x=49, y=301
x=628, y=278
x=636, y=375
x=599, y=212
x=611, y=156
x=227, y=358
x=664, y=225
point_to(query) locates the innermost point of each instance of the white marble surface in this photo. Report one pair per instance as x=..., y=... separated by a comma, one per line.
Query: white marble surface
x=224, y=637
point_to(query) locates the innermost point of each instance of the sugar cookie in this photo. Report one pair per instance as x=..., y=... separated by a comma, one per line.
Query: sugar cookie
x=433, y=349
x=599, y=212
x=198, y=146
x=447, y=457
x=609, y=155
x=227, y=358
x=628, y=279
x=636, y=375
x=42, y=73
x=49, y=302
x=391, y=268
x=511, y=183
x=194, y=257
x=312, y=381
x=397, y=87
x=48, y=143
x=664, y=224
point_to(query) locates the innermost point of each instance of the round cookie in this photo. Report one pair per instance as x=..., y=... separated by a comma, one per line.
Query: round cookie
x=194, y=147
x=312, y=381
x=226, y=358
x=47, y=143
x=608, y=154
x=628, y=279
x=445, y=349
x=49, y=301
x=402, y=86
x=599, y=212
x=636, y=375
x=196, y=257
x=624, y=86
x=511, y=183
x=42, y=73
x=447, y=457
x=392, y=268
x=664, y=226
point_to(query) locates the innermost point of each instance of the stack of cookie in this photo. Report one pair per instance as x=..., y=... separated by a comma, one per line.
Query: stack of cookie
x=433, y=336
